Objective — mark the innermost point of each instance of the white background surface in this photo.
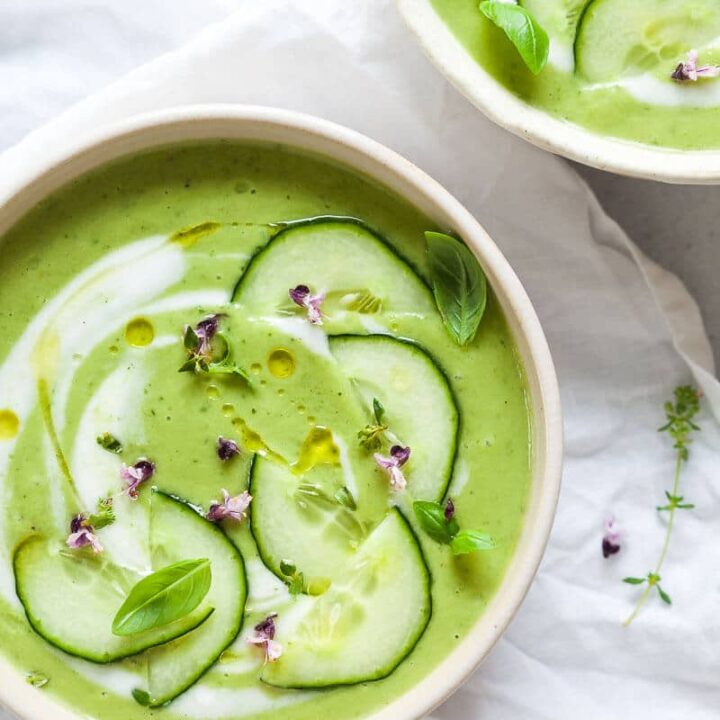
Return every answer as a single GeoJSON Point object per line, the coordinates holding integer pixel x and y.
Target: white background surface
{"type": "Point", "coordinates": [565, 655]}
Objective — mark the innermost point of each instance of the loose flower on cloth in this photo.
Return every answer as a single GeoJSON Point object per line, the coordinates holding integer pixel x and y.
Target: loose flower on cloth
{"type": "Point", "coordinates": [392, 466]}
{"type": "Point", "coordinates": [611, 542]}
{"type": "Point", "coordinates": [227, 449]}
{"type": "Point", "coordinates": [264, 637]}
{"type": "Point", "coordinates": [135, 475]}
{"type": "Point", "coordinates": [691, 71]}
{"type": "Point", "coordinates": [82, 534]}
{"type": "Point", "coordinates": [231, 508]}
{"type": "Point", "coordinates": [302, 297]}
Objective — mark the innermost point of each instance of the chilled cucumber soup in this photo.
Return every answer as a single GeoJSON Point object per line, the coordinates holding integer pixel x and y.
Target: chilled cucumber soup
{"type": "Point", "coordinates": [610, 65]}
{"type": "Point", "coordinates": [97, 287]}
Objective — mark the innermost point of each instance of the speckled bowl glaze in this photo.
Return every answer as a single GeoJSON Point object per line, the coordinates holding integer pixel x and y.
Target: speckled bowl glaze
{"type": "Point", "coordinates": [60, 165]}
{"type": "Point", "coordinates": [544, 130]}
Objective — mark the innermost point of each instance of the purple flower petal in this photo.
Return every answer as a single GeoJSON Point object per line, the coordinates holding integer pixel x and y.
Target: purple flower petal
{"type": "Point", "coordinates": [398, 457]}
{"type": "Point", "coordinates": [302, 297]}
{"type": "Point", "coordinates": [449, 510]}
{"type": "Point", "coordinates": [134, 475]}
{"type": "Point", "coordinates": [82, 534]}
{"type": "Point", "coordinates": [611, 542]}
{"type": "Point", "coordinates": [691, 71]}
{"type": "Point", "coordinates": [231, 508]}
{"type": "Point", "coordinates": [227, 449]}
{"type": "Point", "coordinates": [265, 637]}
{"type": "Point", "coordinates": [400, 454]}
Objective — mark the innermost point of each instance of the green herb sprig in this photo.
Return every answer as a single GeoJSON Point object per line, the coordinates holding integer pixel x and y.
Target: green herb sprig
{"type": "Point", "coordinates": [459, 286]}
{"type": "Point", "coordinates": [680, 426]}
{"type": "Point", "coordinates": [297, 583]}
{"type": "Point", "coordinates": [439, 523]}
{"type": "Point", "coordinates": [221, 363]}
{"type": "Point", "coordinates": [372, 435]}
{"type": "Point", "coordinates": [163, 597]}
{"type": "Point", "coordinates": [523, 31]}
{"type": "Point", "coordinates": [104, 514]}
{"type": "Point", "coordinates": [109, 442]}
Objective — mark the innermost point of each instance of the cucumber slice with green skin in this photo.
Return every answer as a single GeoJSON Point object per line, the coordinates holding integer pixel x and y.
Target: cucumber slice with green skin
{"type": "Point", "coordinates": [177, 532]}
{"type": "Point", "coordinates": [366, 624]}
{"type": "Point", "coordinates": [559, 18]}
{"type": "Point", "coordinates": [420, 408]}
{"type": "Point", "coordinates": [619, 38]}
{"type": "Point", "coordinates": [309, 529]}
{"type": "Point", "coordinates": [71, 597]}
{"type": "Point", "coordinates": [341, 256]}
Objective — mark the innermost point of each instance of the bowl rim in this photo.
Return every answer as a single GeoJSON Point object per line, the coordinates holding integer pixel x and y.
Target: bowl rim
{"type": "Point", "coordinates": [623, 157]}
{"type": "Point", "coordinates": [56, 166]}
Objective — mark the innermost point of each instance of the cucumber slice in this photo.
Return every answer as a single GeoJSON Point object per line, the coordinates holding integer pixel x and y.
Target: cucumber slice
{"type": "Point", "coordinates": [308, 528]}
{"type": "Point", "coordinates": [359, 270]}
{"type": "Point", "coordinates": [420, 408]}
{"type": "Point", "coordinates": [70, 599]}
{"type": "Point", "coordinates": [366, 624]}
{"type": "Point", "coordinates": [618, 38]}
{"type": "Point", "coordinates": [177, 532]}
{"type": "Point", "coordinates": [559, 18]}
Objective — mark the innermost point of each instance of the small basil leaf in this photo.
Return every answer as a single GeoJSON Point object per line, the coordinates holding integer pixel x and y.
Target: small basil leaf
{"type": "Point", "coordinates": [467, 541]}
{"type": "Point", "coordinates": [459, 285]}
{"type": "Point", "coordinates": [431, 517]}
{"type": "Point", "coordinates": [378, 411]}
{"type": "Point", "coordinates": [163, 597]}
{"type": "Point", "coordinates": [523, 30]}
{"type": "Point", "coordinates": [141, 697]}
{"type": "Point", "coordinates": [190, 339]}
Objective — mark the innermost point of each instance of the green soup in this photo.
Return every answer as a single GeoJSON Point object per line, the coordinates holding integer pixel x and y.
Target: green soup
{"type": "Point", "coordinates": [610, 66]}
{"type": "Point", "coordinates": [97, 287]}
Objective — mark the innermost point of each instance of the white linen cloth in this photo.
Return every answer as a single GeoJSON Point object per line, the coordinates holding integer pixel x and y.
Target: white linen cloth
{"type": "Point", "coordinates": [623, 334]}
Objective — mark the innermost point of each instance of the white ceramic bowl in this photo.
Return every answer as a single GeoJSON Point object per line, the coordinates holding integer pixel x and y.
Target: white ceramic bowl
{"type": "Point", "coordinates": [544, 130]}
{"type": "Point", "coordinates": [367, 157]}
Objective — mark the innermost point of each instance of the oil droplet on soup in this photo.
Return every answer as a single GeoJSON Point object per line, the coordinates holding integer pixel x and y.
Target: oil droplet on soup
{"type": "Point", "coordinates": [139, 332]}
{"type": "Point", "coordinates": [281, 363]}
{"type": "Point", "coordinates": [213, 392]}
{"type": "Point", "coordinates": [318, 448]}
{"type": "Point", "coordinates": [228, 409]}
{"type": "Point", "coordinates": [9, 424]}
{"type": "Point", "coordinates": [255, 368]}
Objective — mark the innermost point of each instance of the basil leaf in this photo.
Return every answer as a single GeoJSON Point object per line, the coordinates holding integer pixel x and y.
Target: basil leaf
{"type": "Point", "coordinates": [459, 285]}
{"type": "Point", "coordinates": [467, 541]}
{"type": "Point", "coordinates": [523, 30]}
{"type": "Point", "coordinates": [431, 517]}
{"type": "Point", "coordinates": [163, 597]}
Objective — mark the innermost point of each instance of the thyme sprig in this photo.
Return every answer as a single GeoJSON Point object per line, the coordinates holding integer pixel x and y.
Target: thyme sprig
{"type": "Point", "coordinates": [680, 426]}
{"type": "Point", "coordinates": [372, 435]}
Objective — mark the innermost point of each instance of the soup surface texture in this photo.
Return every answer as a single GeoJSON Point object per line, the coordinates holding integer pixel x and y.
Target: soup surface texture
{"type": "Point", "coordinates": [183, 258]}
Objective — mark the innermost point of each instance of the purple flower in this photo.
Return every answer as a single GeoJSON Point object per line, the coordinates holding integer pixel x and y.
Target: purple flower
{"type": "Point", "coordinates": [611, 538]}
{"type": "Point", "coordinates": [134, 475]}
{"type": "Point", "coordinates": [449, 510]}
{"type": "Point", "coordinates": [265, 637]}
{"type": "Point", "coordinates": [227, 449]}
{"type": "Point", "coordinates": [82, 534]}
{"type": "Point", "coordinates": [232, 508]}
{"type": "Point", "coordinates": [398, 457]}
{"type": "Point", "coordinates": [198, 343]}
{"type": "Point", "coordinates": [302, 296]}
{"type": "Point", "coordinates": [689, 70]}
